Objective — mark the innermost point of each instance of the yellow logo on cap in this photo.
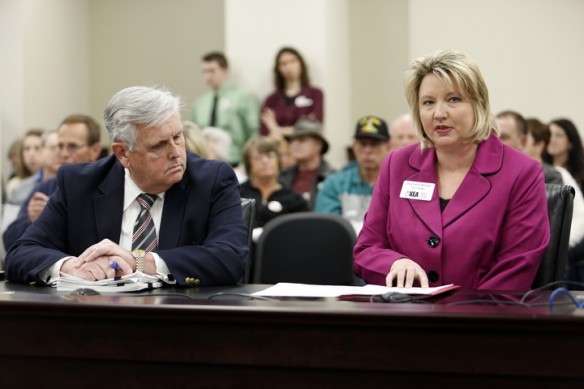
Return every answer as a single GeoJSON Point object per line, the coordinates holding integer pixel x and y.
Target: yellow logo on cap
{"type": "Point", "coordinates": [369, 124]}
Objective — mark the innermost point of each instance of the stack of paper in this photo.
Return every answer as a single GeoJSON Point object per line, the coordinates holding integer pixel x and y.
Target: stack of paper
{"type": "Point", "coordinates": [128, 283]}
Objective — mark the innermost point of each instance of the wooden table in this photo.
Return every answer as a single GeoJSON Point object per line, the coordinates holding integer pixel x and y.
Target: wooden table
{"type": "Point", "coordinates": [180, 338]}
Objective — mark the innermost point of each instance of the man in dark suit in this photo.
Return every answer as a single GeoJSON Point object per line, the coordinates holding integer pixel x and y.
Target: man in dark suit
{"type": "Point", "coordinates": [78, 141]}
{"type": "Point", "coordinates": [87, 227]}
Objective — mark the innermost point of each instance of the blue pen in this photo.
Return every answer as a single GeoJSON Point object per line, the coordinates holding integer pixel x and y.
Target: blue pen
{"type": "Point", "coordinates": [115, 266]}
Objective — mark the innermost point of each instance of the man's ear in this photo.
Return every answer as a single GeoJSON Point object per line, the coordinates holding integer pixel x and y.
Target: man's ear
{"type": "Point", "coordinates": [121, 152]}
{"type": "Point", "coordinates": [523, 140]}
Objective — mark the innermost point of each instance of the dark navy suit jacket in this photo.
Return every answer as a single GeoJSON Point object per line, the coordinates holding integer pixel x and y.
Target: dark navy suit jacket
{"type": "Point", "coordinates": [201, 234]}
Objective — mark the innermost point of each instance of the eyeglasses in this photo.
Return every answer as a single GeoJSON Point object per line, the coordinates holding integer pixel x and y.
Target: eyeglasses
{"type": "Point", "coordinates": [261, 156]}
{"type": "Point", "coordinates": [70, 147]}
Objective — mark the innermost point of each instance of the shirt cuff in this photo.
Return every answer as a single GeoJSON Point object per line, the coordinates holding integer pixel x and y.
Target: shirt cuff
{"type": "Point", "coordinates": [53, 272]}
{"type": "Point", "coordinates": [162, 269]}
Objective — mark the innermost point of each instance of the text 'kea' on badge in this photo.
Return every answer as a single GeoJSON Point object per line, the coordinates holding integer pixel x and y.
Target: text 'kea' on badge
{"type": "Point", "coordinates": [414, 190]}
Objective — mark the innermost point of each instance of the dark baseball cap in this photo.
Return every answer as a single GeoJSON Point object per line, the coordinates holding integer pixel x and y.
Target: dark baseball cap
{"type": "Point", "coordinates": [372, 127]}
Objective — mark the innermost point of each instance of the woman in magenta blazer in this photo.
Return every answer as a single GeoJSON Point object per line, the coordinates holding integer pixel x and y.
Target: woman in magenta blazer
{"type": "Point", "coordinates": [462, 207]}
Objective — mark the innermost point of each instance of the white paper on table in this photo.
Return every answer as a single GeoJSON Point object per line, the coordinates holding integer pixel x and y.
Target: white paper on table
{"type": "Point", "coordinates": [284, 289]}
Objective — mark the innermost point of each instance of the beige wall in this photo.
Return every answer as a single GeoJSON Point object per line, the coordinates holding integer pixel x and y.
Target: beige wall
{"type": "Point", "coordinates": [67, 56]}
{"type": "Point", "coordinates": [379, 56]}
{"type": "Point", "coordinates": [151, 42]}
{"type": "Point", "coordinates": [530, 51]}
{"type": "Point", "coordinates": [44, 70]}
{"type": "Point", "coordinates": [319, 30]}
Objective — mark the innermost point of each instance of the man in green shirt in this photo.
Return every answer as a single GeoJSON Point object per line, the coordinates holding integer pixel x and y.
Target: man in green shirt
{"type": "Point", "coordinates": [224, 106]}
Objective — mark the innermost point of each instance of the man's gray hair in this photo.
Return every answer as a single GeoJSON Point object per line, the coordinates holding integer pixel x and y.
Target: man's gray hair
{"type": "Point", "coordinates": [138, 105]}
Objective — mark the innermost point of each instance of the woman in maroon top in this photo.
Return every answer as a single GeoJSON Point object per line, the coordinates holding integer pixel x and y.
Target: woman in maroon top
{"type": "Point", "coordinates": [293, 98]}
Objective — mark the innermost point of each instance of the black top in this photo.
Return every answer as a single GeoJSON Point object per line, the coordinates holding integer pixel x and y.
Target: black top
{"type": "Point", "coordinates": [280, 202]}
{"type": "Point", "coordinates": [443, 204]}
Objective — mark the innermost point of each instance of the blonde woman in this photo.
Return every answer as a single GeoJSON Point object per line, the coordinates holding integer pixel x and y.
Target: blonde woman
{"type": "Point", "coordinates": [461, 207]}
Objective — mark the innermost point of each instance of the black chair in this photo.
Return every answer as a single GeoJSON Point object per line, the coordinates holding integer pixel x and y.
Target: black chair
{"type": "Point", "coordinates": [306, 247]}
{"type": "Point", "coordinates": [553, 267]}
{"type": "Point", "coordinates": [248, 210]}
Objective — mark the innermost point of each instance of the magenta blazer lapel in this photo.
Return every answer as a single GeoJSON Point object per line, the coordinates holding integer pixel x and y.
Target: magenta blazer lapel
{"type": "Point", "coordinates": [424, 162]}
{"type": "Point", "coordinates": [476, 184]}
{"type": "Point", "coordinates": [472, 190]}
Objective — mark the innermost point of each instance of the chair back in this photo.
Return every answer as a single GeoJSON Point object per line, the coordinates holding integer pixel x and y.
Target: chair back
{"type": "Point", "coordinates": [248, 211]}
{"type": "Point", "coordinates": [560, 201]}
{"type": "Point", "coordinates": [306, 247]}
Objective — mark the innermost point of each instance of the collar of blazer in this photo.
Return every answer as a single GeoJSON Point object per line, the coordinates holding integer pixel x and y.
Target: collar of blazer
{"type": "Point", "coordinates": [473, 189]}
{"type": "Point", "coordinates": [489, 159]}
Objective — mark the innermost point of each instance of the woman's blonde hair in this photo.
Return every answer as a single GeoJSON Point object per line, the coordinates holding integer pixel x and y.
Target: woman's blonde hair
{"type": "Point", "coordinates": [458, 70]}
{"type": "Point", "coordinates": [263, 145]}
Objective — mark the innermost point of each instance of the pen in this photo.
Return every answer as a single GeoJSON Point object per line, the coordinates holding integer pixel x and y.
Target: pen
{"type": "Point", "coordinates": [115, 266]}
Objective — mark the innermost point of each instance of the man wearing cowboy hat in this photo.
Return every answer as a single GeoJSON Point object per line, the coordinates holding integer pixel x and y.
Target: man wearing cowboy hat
{"type": "Point", "coordinates": [307, 146]}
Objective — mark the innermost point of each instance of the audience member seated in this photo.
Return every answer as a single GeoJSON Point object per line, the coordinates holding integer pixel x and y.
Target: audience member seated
{"type": "Point", "coordinates": [14, 156]}
{"type": "Point", "coordinates": [464, 208]}
{"type": "Point", "coordinates": [513, 129]}
{"type": "Point", "coordinates": [348, 192]}
{"type": "Point", "coordinates": [537, 145]}
{"type": "Point", "coordinates": [218, 144]}
{"type": "Point", "coordinates": [31, 155]}
{"type": "Point", "coordinates": [230, 108]}
{"type": "Point", "coordinates": [514, 132]}
{"type": "Point", "coordinates": [261, 157]}
{"type": "Point", "coordinates": [538, 137]}
{"type": "Point", "coordinates": [9, 211]}
{"type": "Point", "coordinates": [194, 140]}
{"type": "Point", "coordinates": [49, 165]}
{"type": "Point", "coordinates": [78, 141]}
{"type": "Point", "coordinates": [307, 146]}
{"type": "Point", "coordinates": [285, 154]}
{"type": "Point", "coordinates": [150, 207]}
{"type": "Point", "coordinates": [293, 98]}
{"type": "Point", "coordinates": [565, 149]}
{"type": "Point", "coordinates": [19, 188]}
{"type": "Point", "coordinates": [402, 132]}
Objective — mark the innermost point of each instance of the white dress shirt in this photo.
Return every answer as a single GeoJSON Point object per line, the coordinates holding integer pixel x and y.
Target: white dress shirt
{"type": "Point", "coordinates": [131, 210]}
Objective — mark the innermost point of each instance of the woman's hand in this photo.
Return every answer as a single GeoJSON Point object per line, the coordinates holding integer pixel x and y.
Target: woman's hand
{"type": "Point", "coordinates": [405, 273]}
{"type": "Point", "coordinates": [268, 117]}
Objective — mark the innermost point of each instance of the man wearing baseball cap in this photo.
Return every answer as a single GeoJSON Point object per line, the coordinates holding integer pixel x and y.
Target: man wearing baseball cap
{"type": "Point", "coordinates": [349, 191]}
{"type": "Point", "coordinates": [307, 147]}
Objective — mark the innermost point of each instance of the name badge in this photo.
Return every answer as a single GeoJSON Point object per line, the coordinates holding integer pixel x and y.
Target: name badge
{"type": "Point", "coordinates": [414, 190]}
{"type": "Point", "coordinates": [303, 101]}
{"type": "Point", "coordinates": [224, 104]}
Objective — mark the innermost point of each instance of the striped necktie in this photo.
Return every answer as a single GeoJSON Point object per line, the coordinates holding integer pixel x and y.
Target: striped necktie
{"type": "Point", "coordinates": [144, 237]}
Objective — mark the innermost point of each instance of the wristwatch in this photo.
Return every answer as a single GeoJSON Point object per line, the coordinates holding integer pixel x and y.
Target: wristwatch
{"type": "Point", "coordinates": [139, 257]}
